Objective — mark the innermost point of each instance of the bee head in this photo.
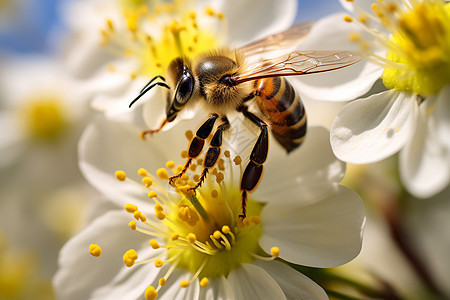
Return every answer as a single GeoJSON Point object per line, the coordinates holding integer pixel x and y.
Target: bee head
{"type": "Point", "coordinates": [182, 84]}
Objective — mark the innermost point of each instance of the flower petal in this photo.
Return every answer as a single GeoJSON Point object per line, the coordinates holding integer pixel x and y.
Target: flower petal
{"type": "Point", "coordinates": [218, 288]}
{"type": "Point", "coordinates": [252, 282]}
{"type": "Point", "coordinates": [442, 116]}
{"type": "Point", "coordinates": [371, 129]}
{"type": "Point", "coordinates": [425, 162]}
{"type": "Point", "coordinates": [108, 146]}
{"type": "Point", "coordinates": [79, 273]}
{"type": "Point", "coordinates": [294, 284]}
{"type": "Point", "coordinates": [269, 18]}
{"type": "Point", "coordinates": [313, 163]}
{"type": "Point", "coordinates": [320, 232]}
{"type": "Point", "coordinates": [331, 33]}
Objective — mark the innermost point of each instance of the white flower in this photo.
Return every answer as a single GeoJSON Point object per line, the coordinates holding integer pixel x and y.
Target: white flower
{"type": "Point", "coordinates": [299, 209]}
{"type": "Point", "coordinates": [408, 44]}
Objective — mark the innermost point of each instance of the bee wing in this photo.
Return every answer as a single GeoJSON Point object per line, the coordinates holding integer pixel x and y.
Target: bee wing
{"type": "Point", "coordinates": [298, 63]}
{"type": "Point", "coordinates": [281, 40]}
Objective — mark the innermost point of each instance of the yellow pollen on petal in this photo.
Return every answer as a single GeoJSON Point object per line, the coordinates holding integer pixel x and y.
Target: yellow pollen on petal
{"type": "Point", "coordinates": [170, 164]}
{"type": "Point", "coordinates": [95, 250]}
{"type": "Point", "coordinates": [191, 238]}
{"type": "Point", "coordinates": [175, 236]}
{"type": "Point", "coordinates": [150, 293]}
{"type": "Point", "coordinates": [204, 282]}
{"type": "Point", "coordinates": [120, 175]}
{"type": "Point", "coordinates": [189, 135]}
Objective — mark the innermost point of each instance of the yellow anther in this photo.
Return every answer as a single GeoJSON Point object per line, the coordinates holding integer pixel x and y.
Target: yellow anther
{"type": "Point", "coordinates": [375, 8]}
{"type": "Point", "coordinates": [179, 169]}
{"type": "Point", "coordinates": [184, 283]}
{"type": "Point", "coordinates": [159, 263]}
{"type": "Point", "coordinates": [132, 23]}
{"type": "Point", "coordinates": [189, 135]}
{"type": "Point", "coordinates": [185, 177]}
{"type": "Point", "coordinates": [175, 236]}
{"type": "Point", "coordinates": [191, 183]}
{"type": "Point", "coordinates": [196, 178]}
{"type": "Point", "coordinates": [192, 15]}
{"type": "Point", "coordinates": [176, 28]}
{"type": "Point", "coordinates": [95, 250]}
{"type": "Point", "coordinates": [200, 161]}
{"type": "Point", "coordinates": [363, 19]}
{"type": "Point", "coordinates": [256, 219]}
{"type": "Point", "coordinates": [349, 0]}
{"type": "Point", "coordinates": [220, 15]}
{"type": "Point", "coordinates": [154, 244]}
{"type": "Point", "coordinates": [354, 37]}
{"type": "Point", "coordinates": [246, 222]}
{"type": "Point", "coordinates": [191, 237]}
{"type": "Point", "coordinates": [120, 175]}
{"type": "Point", "coordinates": [162, 281]}
{"type": "Point", "coordinates": [184, 154]}
{"type": "Point", "coordinates": [227, 154]}
{"type": "Point", "coordinates": [150, 293]}
{"type": "Point", "coordinates": [217, 234]}
{"type": "Point", "coordinates": [130, 257]}
{"type": "Point", "coordinates": [162, 173]}
{"type": "Point", "coordinates": [111, 68]}
{"type": "Point", "coordinates": [226, 229]}
{"type": "Point", "coordinates": [132, 225]}
{"type": "Point", "coordinates": [275, 251]}
{"type": "Point", "coordinates": [214, 171]}
{"type": "Point", "coordinates": [158, 207]}
{"type": "Point", "coordinates": [139, 216]}
{"type": "Point", "coordinates": [160, 215]}
{"type": "Point", "coordinates": [170, 164]}
{"type": "Point", "coordinates": [131, 208]}
{"type": "Point", "coordinates": [220, 177]}
{"type": "Point", "coordinates": [348, 19]}
{"type": "Point", "coordinates": [110, 24]}
{"type": "Point", "coordinates": [209, 11]}
{"type": "Point", "coordinates": [204, 282]}
{"type": "Point", "coordinates": [152, 194]}
{"type": "Point", "coordinates": [147, 181]}
{"type": "Point", "coordinates": [237, 160]}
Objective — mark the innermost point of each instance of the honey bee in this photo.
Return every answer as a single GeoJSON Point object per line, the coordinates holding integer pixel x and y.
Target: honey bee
{"type": "Point", "coordinates": [223, 82]}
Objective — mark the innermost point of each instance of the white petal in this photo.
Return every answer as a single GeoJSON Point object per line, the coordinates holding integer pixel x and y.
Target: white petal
{"type": "Point", "coordinates": [172, 289]}
{"type": "Point", "coordinates": [313, 163]}
{"type": "Point", "coordinates": [364, 4]}
{"type": "Point", "coordinates": [252, 282]}
{"type": "Point", "coordinates": [319, 232]}
{"type": "Point", "coordinates": [331, 33]}
{"type": "Point", "coordinates": [11, 140]}
{"type": "Point", "coordinates": [371, 129]}
{"type": "Point", "coordinates": [268, 18]}
{"type": "Point", "coordinates": [294, 284]}
{"type": "Point", "coordinates": [107, 146]}
{"type": "Point", "coordinates": [79, 273]}
{"type": "Point", "coordinates": [425, 161]}
{"type": "Point", "coordinates": [441, 114]}
{"type": "Point", "coordinates": [218, 288]}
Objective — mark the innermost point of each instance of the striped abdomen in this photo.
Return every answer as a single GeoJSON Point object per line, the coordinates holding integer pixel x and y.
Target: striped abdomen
{"type": "Point", "coordinates": [279, 102]}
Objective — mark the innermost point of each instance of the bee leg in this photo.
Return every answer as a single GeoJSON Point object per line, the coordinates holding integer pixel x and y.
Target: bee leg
{"type": "Point", "coordinates": [253, 171]}
{"type": "Point", "coordinates": [152, 131]}
{"type": "Point", "coordinates": [213, 153]}
{"type": "Point", "coordinates": [196, 144]}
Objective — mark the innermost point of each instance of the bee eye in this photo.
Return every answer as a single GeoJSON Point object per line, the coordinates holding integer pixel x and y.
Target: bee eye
{"type": "Point", "coordinates": [185, 89]}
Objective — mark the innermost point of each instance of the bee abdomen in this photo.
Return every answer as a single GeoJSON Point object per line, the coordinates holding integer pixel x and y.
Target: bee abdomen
{"type": "Point", "coordinates": [279, 102]}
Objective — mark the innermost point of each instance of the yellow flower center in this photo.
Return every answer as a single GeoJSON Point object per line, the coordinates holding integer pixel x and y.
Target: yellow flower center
{"type": "Point", "coordinates": [418, 58]}
{"type": "Point", "coordinates": [155, 35]}
{"type": "Point", "coordinates": [200, 232]}
{"type": "Point", "coordinates": [44, 118]}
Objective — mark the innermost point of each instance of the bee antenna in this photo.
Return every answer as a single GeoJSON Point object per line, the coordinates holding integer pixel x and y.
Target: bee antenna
{"type": "Point", "coordinates": [148, 86]}
{"type": "Point", "coordinates": [146, 89]}
{"type": "Point", "coordinates": [151, 80]}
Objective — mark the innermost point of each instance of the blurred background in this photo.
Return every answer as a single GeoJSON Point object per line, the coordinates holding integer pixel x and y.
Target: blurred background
{"type": "Point", "coordinates": [44, 199]}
